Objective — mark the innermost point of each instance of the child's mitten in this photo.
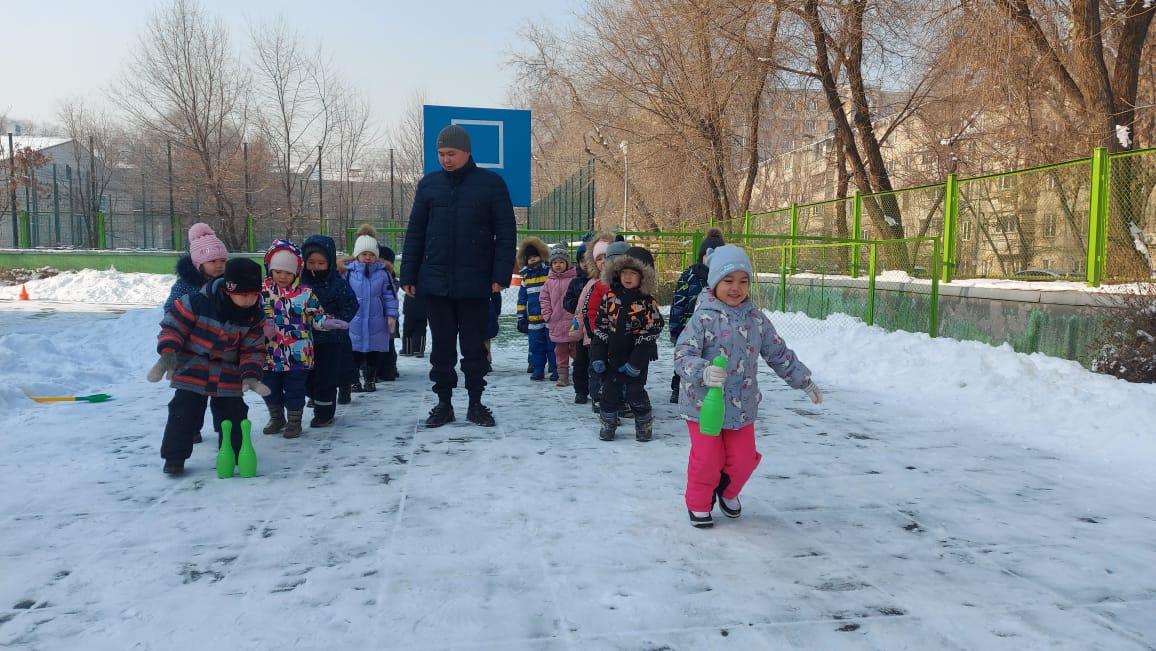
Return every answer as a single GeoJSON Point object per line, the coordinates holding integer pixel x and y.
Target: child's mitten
{"type": "Point", "coordinates": [163, 368]}
{"type": "Point", "coordinates": [331, 324]}
{"type": "Point", "coordinates": [524, 326]}
{"type": "Point", "coordinates": [713, 376]}
{"type": "Point", "coordinates": [598, 366]}
{"type": "Point", "coordinates": [813, 392]}
{"type": "Point", "coordinates": [629, 370]}
{"type": "Point", "coordinates": [255, 385]}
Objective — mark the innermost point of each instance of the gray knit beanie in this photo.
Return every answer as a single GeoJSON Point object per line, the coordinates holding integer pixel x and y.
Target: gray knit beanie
{"type": "Point", "coordinates": [559, 252]}
{"type": "Point", "coordinates": [616, 249]}
{"type": "Point", "coordinates": [724, 260]}
{"type": "Point", "coordinates": [454, 137]}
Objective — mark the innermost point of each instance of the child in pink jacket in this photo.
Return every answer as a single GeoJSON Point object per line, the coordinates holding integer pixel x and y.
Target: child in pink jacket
{"type": "Point", "coordinates": [558, 320]}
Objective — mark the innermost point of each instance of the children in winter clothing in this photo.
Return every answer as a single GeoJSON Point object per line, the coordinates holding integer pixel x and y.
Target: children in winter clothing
{"type": "Point", "coordinates": [413, 327]}
{"type": "Point", "coordinates": [387, 370]}
{"type": "Point", "coordinates": [332, 350]}
{"type": "Point", "coordinates": [580, 369]}
{"type": "Point", "coordinates": [204, 262]}
{"type": "Point", "coordinates": [690, 284]}
{"type": "Point", "coordinates": [727, 322]}
{"type": "Point", "coordinates": [372, 328]}
{"type": "Point", "coordinates": [532, 256]}
{"type": "Point", "coordinates": [558, 320]}
{"type": "Point", "coordinates": [211, 347]}
{"type": "Point", "coordinates": [292, 311]}
{"type": "Point", "coordinates": [626, 340]}
{"type": "Point", "coordinates": [591, 299]}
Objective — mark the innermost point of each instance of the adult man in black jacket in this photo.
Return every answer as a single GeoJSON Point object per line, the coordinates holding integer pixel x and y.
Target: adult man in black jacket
{"type": "Point", "coordinates": [459, 249]}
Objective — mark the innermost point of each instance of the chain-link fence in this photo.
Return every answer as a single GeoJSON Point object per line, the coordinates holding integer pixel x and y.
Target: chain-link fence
{"type": "Point", "coordinates": [1130, 213]}
{"type": "Point", "coordinates": [569, 205]}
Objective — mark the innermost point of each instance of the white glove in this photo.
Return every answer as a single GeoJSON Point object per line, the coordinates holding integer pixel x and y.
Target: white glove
{"type": "Point", "coordinates": [254, 385]}
{"type": "Point", "coordinates": [163, 368]}
{"type": "Point", "coordinates": [814, 393]}
{"type": "Point", "coordinates": [713, 376]}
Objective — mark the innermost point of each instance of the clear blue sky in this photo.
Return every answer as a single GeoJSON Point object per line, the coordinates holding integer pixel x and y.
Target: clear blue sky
{"type": "Point", "coordinates": [453, 50]}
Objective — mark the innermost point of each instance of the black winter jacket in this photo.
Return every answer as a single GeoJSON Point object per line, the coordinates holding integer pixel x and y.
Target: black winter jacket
{"type": "Point", "coordinates": [690, 284]}
{"type": "Point", "coordinates": [461, 235]}
{"type": "Point", "coordinates": [333, 291]}
{"type": "Point", "coordinates": [574, 291]}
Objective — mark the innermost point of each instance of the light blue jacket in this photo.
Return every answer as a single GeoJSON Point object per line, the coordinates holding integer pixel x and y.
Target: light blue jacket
{"type": "Point", "coordinates": [743, 334]}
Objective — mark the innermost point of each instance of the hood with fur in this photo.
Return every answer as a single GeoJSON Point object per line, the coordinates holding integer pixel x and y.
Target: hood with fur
{"type": "Point", "coordinates": [532, 246]}
{"type": "Point", "coordinates": [588, 257]}
{"type": "Point", "coordinates": [615, 265]}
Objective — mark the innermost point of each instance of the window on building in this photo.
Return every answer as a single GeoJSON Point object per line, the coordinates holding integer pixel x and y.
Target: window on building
{"type": "Point", "coordinates": [812, 105]}
{"type": "Point", "coordinates": [965, 231]}
{"type": "Point", "coordinates": [809, 127]}
{"type": "Point", "coordinates": [830, 125]}
{"type": "Point", "coordinates": [1049, 226]}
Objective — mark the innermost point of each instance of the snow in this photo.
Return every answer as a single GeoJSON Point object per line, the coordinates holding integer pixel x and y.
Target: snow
{"type": "Point", "coordinates": [1138, 242]}
{"type": "Point", "coordinates": [1124, 135]}
{"type": "Point", "coordinates": [102, 287]}
{"type": "Point", "coordinates": [946, 495]}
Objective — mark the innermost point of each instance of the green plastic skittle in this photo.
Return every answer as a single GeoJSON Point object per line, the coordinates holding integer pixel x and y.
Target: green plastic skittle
{"type": "Point", "coordinates": [226, 461]}
{"type": "Point", "coordinates": [247, 457]}
{"type": "Point", "coordinates": [710, 416]}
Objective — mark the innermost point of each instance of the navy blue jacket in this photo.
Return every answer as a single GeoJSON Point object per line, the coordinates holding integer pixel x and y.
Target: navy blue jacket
{"type": "Point", "coordinates": [574, 291]}
{"type": "Point", "coordinates": [333, 291]}
{"type": "Point", "coordinates": [461, 234]}
{"type": "Point", "coordinates": [190, 280]}
{"type": "Point", "coordinates": [690, 284]}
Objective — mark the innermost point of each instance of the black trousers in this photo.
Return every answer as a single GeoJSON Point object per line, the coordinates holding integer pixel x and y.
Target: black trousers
{"type": "Point", "coordinates": [580, 370]}
{"type": "Point", "coordinates": [675, 382]}
{"type": "Point", "coordinates": [324, 378]}
{"type": "Point", "coordinates": [415, 321]}
{"type": "Point", "coordinates": [370, 360]}
{"type": "Point", "coordinates": [613, 385]}
{"type": "Point", "coordinates": [187, 412]}
{"type": "Point", "coordinates": [451, 321]}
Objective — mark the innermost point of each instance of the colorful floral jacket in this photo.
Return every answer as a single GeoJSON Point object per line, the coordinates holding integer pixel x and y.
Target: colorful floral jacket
{"type": "Point", "coordinates": [294, 311]}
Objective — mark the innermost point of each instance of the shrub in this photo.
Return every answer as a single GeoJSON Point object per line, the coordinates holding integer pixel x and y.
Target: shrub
{"type": "Point", "coordinates": [1127, 346]}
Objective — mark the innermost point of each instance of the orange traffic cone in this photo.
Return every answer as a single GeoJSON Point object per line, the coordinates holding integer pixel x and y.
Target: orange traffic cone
{"type": "Point", "coordinates": [23, 293]}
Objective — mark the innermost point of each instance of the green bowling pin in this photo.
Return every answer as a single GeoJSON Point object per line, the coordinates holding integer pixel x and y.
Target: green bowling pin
{"type": "Point", "coordinates": [226, 461]}
{"type": "Point", "coordinates": [710, 416]}
{"type": "Point", "coordinates": [247, 457]}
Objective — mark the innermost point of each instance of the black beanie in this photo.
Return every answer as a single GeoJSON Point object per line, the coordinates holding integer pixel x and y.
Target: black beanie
{"type": "Point", "coordinates": [386, 253]}
{"type": "Point", "coordinates": [713, 240]}
{"type": "Point", "coordinates": [642, 255]}
{"type": "Point", "coordinates": [242, 276]}
{"type": "Point", "coordinates": [454, 137]}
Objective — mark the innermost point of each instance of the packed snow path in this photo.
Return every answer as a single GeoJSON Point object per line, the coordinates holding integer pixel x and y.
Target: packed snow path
{"type": "Point", "coordinates": [878, 520]}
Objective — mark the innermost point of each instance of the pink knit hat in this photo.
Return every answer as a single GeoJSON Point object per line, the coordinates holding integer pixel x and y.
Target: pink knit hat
{"type": "Point", "coordinates": [204, 245]}
{"type": "Point", "coordinates": [600, 248]}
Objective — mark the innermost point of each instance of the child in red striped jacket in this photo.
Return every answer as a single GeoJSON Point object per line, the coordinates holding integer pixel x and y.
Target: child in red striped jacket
{"type": "Point", "coordinates": [212, 348]}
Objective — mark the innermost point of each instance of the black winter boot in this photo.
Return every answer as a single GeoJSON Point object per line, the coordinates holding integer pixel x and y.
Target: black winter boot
{"type": "Point", "coordinates": [370, 379]}
{"type": "Point", "coordinates": [480, 414]}
{"type": "Point", "coordinates": [343, 395]}
{"type": "Point", "coordinates": [174, 467]}
{"type": "Point", "coordinates": [581, 398]}
{"type": "Point", "coordinates": [674, 396]}
{"type": "Point", "coordinates": [609, 425]}
{"type": "Point", "coordinates": [644, 428]}
{"type": "Point", "coordinates": [419, 350]}
{"type": "Point", "coordinates": [442, 413]}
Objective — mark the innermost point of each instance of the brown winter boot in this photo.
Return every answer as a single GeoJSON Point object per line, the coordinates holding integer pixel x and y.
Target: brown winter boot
{"type": "Point", "coordinates": [563, 377]}
{"type": "Point", "coordinates": [276, 419]}
{"type": "Point", "coordinates": [293, 424]}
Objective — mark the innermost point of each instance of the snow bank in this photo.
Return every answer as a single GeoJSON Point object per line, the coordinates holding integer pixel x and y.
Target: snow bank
{"type": "Point", "coordinates": [90, 286]}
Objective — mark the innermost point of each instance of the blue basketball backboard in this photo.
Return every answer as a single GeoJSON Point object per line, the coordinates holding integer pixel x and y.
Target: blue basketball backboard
{"type": "Point", "coordinates": [500, 139]}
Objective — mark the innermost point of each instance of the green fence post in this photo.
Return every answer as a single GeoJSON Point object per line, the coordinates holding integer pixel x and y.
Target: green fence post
{"type": "Point", "coordinates": [1097, 216]}
{"type": "Point", "coordinates": [871, 258]}
{"type": "Point", "coordinates": [782, 280]}
{"type": "Point", "coordinates": [101, 232]}
{"type": "Point", "coordinates": [747, 227]}
{"type": "Point", "coordinates": [250, 233]}
{"type": "Point", "coordinates": [794, 234]}
{"type": "Point", "coordinates": [25, 239]}
{"type": "Point", "coordinates": [933, 309]}
{"type": "Point", "coordinates": [856, 230]}
{"type": "Point", "coordinates": [950, 226]}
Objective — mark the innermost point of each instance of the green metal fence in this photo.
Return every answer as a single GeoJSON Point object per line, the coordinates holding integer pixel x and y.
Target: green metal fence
{"type": "Point", "coordinates": [569, 205]}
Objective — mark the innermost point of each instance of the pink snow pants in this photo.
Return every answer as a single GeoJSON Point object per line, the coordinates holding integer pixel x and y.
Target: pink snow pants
{"type": "Point", "coordinates": [732, 451]}
{"type": "Point", "coordinates": [564, 352]}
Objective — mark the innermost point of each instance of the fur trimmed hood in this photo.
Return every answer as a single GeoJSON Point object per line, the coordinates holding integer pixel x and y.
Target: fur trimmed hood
{"type": "Point", "coordinates": [588, 257]}
{"type": "Point", "coordinates": [612, 268]}
{"type": "Point", "coordinates": [532, 246]}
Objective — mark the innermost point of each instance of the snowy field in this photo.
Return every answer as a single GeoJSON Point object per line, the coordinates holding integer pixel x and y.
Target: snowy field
{"type": "Point", "coordinates": [946, 495]}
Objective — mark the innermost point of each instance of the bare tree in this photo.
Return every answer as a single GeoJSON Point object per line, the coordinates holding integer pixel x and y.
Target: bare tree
{"type": "Point", "coordinates": [353, 136]}
{"type": "Point", "coordinates": [99, 149]}
{"type": "Point", "coordinates": [406, 140]}
{"type": "Point", "coordinates": [185, 84]}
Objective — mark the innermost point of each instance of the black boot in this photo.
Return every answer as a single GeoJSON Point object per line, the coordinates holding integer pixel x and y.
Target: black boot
{"type": "Point", "coordinates": [725, 481]}
{"type": "Point", "coordinates": [609, 422]}
{"type": "Point", "coordinates": [442, 413]}
{"type": "Point", "coordinates": [674, 396]}
{"type": "Point", "coordinates": [406, 349]}
{"type": "Point", "coordinates": [419, 351]}
{"type": "Point", "coordinates": [644, 428]}
{"type": "Point", "coordinates": [581, 398]}
{"type": "Point", "coordinates": [480, 414]}
{"type": "Point", "coordinates": [370, 379]}
{"type": "Point", "coordinates": [700, 521]}
{"type": "Point", "coordinates": [343, 395]}
{"type": "Point", "coordinates": [174, 467]}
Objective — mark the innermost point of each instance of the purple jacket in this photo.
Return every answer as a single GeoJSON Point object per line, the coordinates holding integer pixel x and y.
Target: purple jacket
{"type": "Point", "coordinates": [376, 300]}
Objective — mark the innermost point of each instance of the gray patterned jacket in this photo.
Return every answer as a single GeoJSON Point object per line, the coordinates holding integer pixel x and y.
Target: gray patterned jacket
{"type": "Point", "coordinates": [743, 334]}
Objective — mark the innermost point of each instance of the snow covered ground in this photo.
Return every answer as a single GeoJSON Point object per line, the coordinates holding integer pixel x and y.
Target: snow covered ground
{"type": "Point", "coordinates": [946, 495]}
